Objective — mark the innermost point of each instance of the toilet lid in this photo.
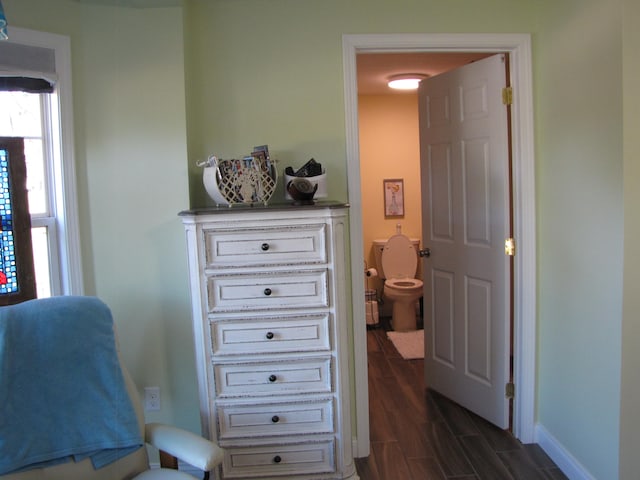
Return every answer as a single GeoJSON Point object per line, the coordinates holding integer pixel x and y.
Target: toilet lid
{"type": "Point", "coordinates": [399, 258]}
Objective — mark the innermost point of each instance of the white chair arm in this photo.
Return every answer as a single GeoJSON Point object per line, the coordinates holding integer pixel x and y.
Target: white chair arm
{"type": "Point", "coordinates": [186, 446]}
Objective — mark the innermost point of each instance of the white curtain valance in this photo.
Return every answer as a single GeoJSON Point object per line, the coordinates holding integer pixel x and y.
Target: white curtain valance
{"type": "Point", "coordinates": [27, 68]}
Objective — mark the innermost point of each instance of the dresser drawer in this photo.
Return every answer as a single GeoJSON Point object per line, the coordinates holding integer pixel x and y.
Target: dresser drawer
{"type": "Point", "coordinates": [260, 420]}
{"type": "Point", "coordinates": [267, 461]}
{"type": "Point", "coordinates": [270, 335]}
{"type": "Point", "coordinates": [265, 246]}
{"type": "Point", "coordinates": [268, 291]}
{"type": "Point", "coordinates": [273, 378]}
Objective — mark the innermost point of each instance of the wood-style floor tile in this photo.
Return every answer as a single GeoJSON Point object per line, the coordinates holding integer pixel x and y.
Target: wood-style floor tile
{"type": "Point", "coordinates": [426, 468]}
{"type": "Point", "coordinates": [496, 436]}
{"type": "Point", "coordinates": [521, 465]}
{"type": "Point", "coordinates": [367, 467]}
{"type": "Point", "coordinates": [380, 428]}
{"type": "Point", "coordinates": [412, 437]}
{"type": "Point", "coordinates": [390, 460]}
{"type": "Point", "coordinates": [458, 419]}
{"type": "Point", "coordinates": [484, 460]}
{"type": "Point", "coordinates": [418, 434]}
{"type": "Point", "coordinates": [539, 457]}
{"type": "Point", "coordinates": [555, 474]}
{"type": "Point", "coordinates": [449, 453]}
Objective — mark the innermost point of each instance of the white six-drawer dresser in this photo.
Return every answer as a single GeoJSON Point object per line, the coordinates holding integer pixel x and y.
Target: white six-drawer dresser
{"type": "Point", "coordinates": [271, 338]}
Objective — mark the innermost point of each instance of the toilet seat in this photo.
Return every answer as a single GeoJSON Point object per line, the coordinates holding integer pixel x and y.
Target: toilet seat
{"type": "Point", "coordinates": [399, 258]}
{"type": "Point", "coordinates": [403, 283]}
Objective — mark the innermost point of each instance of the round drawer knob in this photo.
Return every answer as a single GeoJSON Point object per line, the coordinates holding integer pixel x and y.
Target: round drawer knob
{"type": "Point", "coordinates": [264, 247]}
{"type": "Point", "coordinates": [267, 291]}
{"type": "Point", "coordinates": [277, 459]}
{"type": "Point", "coordinates": [272, 378]}
{"type": "Point", "coordinates": [269, 335]}
{"type": "Point", "coordinates": [275, 419]}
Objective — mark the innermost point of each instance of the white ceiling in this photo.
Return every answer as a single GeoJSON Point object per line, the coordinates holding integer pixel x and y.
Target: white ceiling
{"type": "Point", "coordinates": [374, 69]}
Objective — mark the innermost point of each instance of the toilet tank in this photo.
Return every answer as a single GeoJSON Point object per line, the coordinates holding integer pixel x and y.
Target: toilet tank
{"type": "Point", "coordinates": [378, 246]}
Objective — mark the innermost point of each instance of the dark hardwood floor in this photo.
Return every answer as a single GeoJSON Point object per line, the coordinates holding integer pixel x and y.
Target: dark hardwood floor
{"type": "Point", "coordinates": [417, 434]}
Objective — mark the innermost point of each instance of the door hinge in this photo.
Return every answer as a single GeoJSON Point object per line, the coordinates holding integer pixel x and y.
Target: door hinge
{"type": "Point", "coordinates": [507, 96]}
{"type": "Point", "coordinates": [510, 390]}
{"type": "Point", "coordinates": [510, 247]}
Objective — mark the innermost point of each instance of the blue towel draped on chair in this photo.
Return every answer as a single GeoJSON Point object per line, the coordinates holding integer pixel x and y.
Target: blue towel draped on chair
{"type": "Point", "coordinates": [62, 393]}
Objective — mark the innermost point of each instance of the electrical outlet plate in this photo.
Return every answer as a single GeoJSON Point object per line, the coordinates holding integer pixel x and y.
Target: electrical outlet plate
{"type": "Point", "coordinates": [152, 399]}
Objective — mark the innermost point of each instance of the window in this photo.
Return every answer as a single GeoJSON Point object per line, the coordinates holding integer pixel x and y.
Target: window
{"type": "Point", "coordinates": [44, 121]}
{"type": "Point", "coordinates": [17, 281]}
{"type": "Point", "coordinates": [21, 115]}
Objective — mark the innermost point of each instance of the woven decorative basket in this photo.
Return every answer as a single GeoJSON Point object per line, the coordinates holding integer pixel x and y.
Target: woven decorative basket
{"type": "Point", "coordinates": [246, 181]}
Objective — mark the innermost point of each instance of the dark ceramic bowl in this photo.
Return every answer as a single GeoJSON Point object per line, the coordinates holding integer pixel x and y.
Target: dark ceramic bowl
{"type": "Point", "coordinates": [301, 190]}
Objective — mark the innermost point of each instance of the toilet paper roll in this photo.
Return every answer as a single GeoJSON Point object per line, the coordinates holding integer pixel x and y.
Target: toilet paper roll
{"type": "Point", "coordinates": [371, 272]}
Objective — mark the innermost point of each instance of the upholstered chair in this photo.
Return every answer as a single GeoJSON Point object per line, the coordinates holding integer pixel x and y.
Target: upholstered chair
{"type": "Point", "coordinates": [49, 347]}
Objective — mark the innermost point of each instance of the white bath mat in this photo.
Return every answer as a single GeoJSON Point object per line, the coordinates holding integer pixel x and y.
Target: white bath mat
{"type": "Point", "coordinates": [409, 344]}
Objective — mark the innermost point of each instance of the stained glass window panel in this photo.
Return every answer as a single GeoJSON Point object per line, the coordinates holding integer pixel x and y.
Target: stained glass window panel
{"type": "Point", "coordinates": [17, 278]}
{"type": "Point", "coordinates": [8, 269]}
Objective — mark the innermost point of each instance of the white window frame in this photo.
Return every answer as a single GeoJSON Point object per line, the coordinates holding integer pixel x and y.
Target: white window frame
{"type": "Point", "coordinates": [63, 225]}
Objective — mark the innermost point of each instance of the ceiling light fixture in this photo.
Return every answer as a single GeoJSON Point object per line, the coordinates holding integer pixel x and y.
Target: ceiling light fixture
{"type": "Point", "coordinates": [406, 81]}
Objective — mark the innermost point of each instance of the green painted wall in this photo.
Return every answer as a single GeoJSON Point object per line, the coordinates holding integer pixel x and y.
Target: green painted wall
{"type": "Point", "coordinates": [134, 143]}
{"type": "Point", "coordinates": [271, 71]}
{"type": "Point", "coordinates": [155, 90]}
{"type": "Point", "coordinates": [630, 383]}
{"type": "Point", "coordinates": [579, 200]}
{"type": "Point", "coordinates": [130, 139]}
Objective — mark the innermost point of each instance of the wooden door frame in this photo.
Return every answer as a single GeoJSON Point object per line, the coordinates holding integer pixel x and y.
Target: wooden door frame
{"type": "Point", "coordinates": [524, 277]}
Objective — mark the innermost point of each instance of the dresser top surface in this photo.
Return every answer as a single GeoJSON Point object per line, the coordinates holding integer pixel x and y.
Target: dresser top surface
{"type": "Point", "coordinates": [258, 207]}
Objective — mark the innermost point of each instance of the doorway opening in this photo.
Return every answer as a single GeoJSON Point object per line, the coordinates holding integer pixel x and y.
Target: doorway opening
{"type": "Point", "coordinates": [389, 144]}
{"type": "Point", "coordinates": [518, 47]}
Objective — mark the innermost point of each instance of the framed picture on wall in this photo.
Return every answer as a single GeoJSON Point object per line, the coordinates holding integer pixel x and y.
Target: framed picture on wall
{"type": "Point", "coordinates": [393, 197]}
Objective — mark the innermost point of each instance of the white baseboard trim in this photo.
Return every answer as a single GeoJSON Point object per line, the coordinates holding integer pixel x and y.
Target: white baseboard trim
{"type": "Point", "coordinates": [569, 465]}
{"type": "Point", "coordinates": [355, 450]}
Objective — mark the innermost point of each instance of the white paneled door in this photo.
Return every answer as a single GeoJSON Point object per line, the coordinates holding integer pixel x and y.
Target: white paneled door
{"type": "Point", "coordinates": [464, 147]}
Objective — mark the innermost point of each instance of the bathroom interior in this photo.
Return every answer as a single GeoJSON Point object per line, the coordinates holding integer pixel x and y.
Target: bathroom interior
{"type": "Point", "coordinates": [390, 150]}
{"type": "Point", "coordinates": [389, 144]}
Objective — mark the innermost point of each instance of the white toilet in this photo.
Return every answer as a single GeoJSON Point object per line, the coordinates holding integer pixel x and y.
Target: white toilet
{"type": "Point", "coordinates": [398, 262]}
